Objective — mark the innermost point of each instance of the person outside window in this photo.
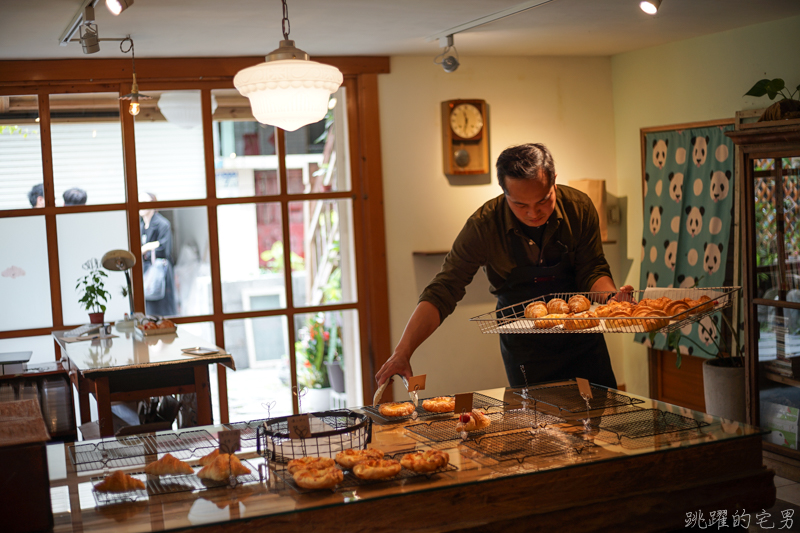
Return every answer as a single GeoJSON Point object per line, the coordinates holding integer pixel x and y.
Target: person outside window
{"type": "Point", "coordinates": [156, 233]}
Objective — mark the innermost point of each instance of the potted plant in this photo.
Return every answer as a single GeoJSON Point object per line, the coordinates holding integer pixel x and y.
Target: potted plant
{"type": "Point", "coordinates": [319, 346]}
{"type": "Point", "coordinates": [92, 290]}
{"type": "Point", "coordinates": [786, 108]}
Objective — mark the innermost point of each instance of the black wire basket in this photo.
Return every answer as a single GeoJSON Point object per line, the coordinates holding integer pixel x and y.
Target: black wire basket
{"type": "Point", "coordinates": [331, 432]}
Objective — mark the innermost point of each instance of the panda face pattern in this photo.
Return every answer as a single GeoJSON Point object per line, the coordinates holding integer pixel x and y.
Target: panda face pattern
{"type": "Point", "coordinates": [720, 184]}
{"type": "Point", "coordinates": [652, 280]}
{"type": "Point", "coordinates": [699, 150]}
{"type": "Point", "coordinates": [670, 254]}
{"type": "Point", "coordinates": [660, 152]}
{"type": "Point", "coordinates": [712, 257]}
{"type": "Point", "coordinates": [707, 329]}
{"type": "Point", "coordinates": [655, 218]}
{"type": "Point", "coordinates": [676, 186]}
{"type": "Point", "coordinates": [694, 220]}
{"type": "Point", "coordinates": [686, 282]}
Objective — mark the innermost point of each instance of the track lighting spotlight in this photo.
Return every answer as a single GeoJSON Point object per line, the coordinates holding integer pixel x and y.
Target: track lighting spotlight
{"type": "Point", "coordinates": [449, 62]}
{"type": "Point", "coordinates": [90, 40]}
{"type": "Point", "coordinates": [118, 6]}
{"type": "Point", "coordinates": [650, 6]}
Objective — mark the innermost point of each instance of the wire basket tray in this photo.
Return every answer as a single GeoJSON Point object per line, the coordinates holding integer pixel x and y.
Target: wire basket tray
{"type": "Point", "coordinates": [130, 451]}
{"type": "Point", "coordinates": [531, 443]}
{"type": "Point", "coordinates": [512, 319]}
{"type": "Point", "coordinates": [331, 432]}
{"type": "Point", "coordinates": [636, 429]}
{"type": "Point", "coordinates": [445, 430]}
{"type": "Point", "coordinates": [479, 401]}
{"type": "Point", "coordinates": [352, 481]}
{"type": "Point", "coordinates": [568, 398]}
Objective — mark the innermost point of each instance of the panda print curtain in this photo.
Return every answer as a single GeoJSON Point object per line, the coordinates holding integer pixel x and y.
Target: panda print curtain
{"type": "Point", "coordinates": [688, 206]}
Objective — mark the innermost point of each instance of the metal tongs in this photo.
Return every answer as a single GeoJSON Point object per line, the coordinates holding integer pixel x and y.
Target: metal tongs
{"type": "Point", "coordinates": [376, 399]}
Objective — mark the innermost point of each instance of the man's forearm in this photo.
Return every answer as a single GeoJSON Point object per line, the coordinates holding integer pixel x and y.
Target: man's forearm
{"type": "Point", "coordinates": [423, 322]}
{"type": "Point", "coordinates": [604, 283]}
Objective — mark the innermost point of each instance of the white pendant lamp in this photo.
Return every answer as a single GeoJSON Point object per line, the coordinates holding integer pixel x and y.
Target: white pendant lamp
{"type": "Point", "coordinates": [183, 109]}
{"type": "Point", "coordinates": [288, 90]}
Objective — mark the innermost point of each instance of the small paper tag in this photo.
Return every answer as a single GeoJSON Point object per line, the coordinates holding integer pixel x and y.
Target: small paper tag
{"type": "Point", "coordinates": [416, 383]}
{"type": "Point", "coordinates": [584, 388]}
{"type": "Point", "coordinates": [463, 403]}
{"type": "Point", "coordinates": [229, 441]}
{"type": "Point", "coordinates": [299, 428]}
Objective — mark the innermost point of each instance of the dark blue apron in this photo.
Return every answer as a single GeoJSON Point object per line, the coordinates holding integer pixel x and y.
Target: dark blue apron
{"type": "Point", "coordinates": [549, 356]}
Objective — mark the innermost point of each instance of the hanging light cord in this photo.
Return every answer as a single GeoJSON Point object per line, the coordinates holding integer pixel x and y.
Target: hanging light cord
{"type": "Point", "coordinates": [285, 27]}
{"type": "Point", "coordinates": [130, 49]}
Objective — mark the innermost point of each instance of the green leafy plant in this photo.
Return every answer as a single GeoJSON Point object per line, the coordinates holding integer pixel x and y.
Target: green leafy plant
{"type": "Point", "coordinates": [319, 341]}
{"type": "Point", "coordinates": [92, 287]}
{"type": "Point", "coordinates": [274, 259]}
{"type": "Point", "coordinates": [772, 88]}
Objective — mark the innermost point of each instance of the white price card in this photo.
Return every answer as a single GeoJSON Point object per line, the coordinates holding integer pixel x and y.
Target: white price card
{"type": "Point", "coordinates": [299, 427]}
{"type": "Point", "coordinates": [229, 441]}
{"type": "Point", "coordinates": [584, 388]}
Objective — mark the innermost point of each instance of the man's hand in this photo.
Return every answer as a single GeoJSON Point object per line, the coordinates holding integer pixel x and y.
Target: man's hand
{"type": "Point", "coordinates": [625, 294]}
{"type": "Point", "coordinates": [398, 363]}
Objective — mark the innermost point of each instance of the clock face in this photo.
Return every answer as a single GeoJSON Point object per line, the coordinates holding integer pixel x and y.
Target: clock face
{"type": "Point", "coordinates": [466, 121]}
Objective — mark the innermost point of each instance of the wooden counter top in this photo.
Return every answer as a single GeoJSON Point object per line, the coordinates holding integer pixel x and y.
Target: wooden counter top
{"type": "Point", "coordinates": [639, 486]}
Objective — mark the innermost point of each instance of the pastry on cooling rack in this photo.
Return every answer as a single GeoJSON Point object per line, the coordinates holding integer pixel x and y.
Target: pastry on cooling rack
{"type": "Point", "coordinates": [396, 409]}
{"type": "Point", "coordinates": [550, 321]}
{"type": "Point", "coordinates": [650, 319]}
{"type": "Point", "coordinates": [224, 466]}
{"type": "Point", "coordinates": [536, 310]}
{"type": "Point", "coordinates": [557, 306]}
{"type": "Point", "coordinates": [619, 324]}
{"type": "Point", "coordinates": [349, 458]}
{"type": "Point", "coordinates": [426, 461]}
{"type": "Point", "coordinates": [168, 466]}
{"type": "Point", "coordinates": [578, 304]}
{"type": "Point", "coordinates": [676, 308]}
{"type": "Point", "coordinates": [585, 320]}
{"type": "Point", "coordinates": [377, 469]}
{"type": "Point", "coordinates": [315, 463]}
{"type": "Point", "coordinates": [440, 404]}
{"type": "Point", "coordinates": [119, 481]}
{"type": "Point", "coordinates": [473, 421]}
{"type": "Point", "coordinates": [610, 307]}
{"type": "Point", "coordinates": [208, 459]}
{"type": "Point", "coordinates": [318, 478]}
{"type": "Point", "coordinates": [707, 304]}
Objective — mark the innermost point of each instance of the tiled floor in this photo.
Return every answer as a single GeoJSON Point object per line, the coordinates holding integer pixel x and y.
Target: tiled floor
{"type": "Point", "coordinates": [786, 509]}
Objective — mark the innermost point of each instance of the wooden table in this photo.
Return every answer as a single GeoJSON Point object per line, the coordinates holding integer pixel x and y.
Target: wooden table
{"type": "Point", "coordinates": [132, 367]}
{"type": "Point", "coordinates": [609, 487]}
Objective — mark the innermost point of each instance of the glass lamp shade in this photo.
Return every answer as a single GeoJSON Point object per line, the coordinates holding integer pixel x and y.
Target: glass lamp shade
{"type": "Point", "coordinates": [288, 93]}
{"type": "Point", "coordinates": [182, 108]}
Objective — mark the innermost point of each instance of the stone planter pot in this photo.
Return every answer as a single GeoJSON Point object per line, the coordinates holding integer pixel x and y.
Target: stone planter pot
{"type": "Point", "coordinates": [724, 388]}
{"type": "Point", "coordinates": [316, 400]}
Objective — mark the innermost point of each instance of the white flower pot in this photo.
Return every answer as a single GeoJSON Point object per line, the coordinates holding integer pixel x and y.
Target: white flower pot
{"type": "Point", "coordinates": [724, 390]}
{"type": "Point", "coordinates": [316, 400]}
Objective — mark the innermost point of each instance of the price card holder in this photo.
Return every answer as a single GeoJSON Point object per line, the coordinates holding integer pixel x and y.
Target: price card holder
{"type": "Point", "coordinates": [416, 383]}
{"type": "Point", "coordinates": [299, 427]}
{"type": "Point", "coordinates": [229, 441]}
{"type": "Point", "coordinates": [584, 388]}
{"type": "Point", "coordinates": [463, 403]}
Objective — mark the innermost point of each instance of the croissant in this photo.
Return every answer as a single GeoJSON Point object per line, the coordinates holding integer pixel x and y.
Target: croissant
{"type": "Point", "coordinates": [208, 459]}
{"type": "Point", "coordinates": [652, 324]}
{"type": "Point", "coordinates": [168, 465]}
{"type": "Point", "coordinates": [708, 305]}
{"type": "Point", "coordinates": [119, 481]}
{"type": "Point", "coordinates": [676, 308]}
{"type": "Point", "coordinates": [582, 324]}
{"type": "Point", "coordinates": [550, 321]}
{"type": "Point", "coordinates": [224, 466]}
{"type": "Point", "coordinates": [536, 310]}
{"type": "Point", "coordinates": [557, 306]}
{"type": "Point", "coordinates": [579, 303]}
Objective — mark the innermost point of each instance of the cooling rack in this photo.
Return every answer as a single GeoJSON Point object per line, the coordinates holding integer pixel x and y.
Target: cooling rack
{"type": "Point", "coordinates": [521, 445]}
{"type": "Point", "coordinates": [643, 428]}
{"type": "Point", "coordinates": [479, 401]}
{"type": "Point", "coordinates": [568, 398]}
{"type": "Point", "coordinates": [445, 430]}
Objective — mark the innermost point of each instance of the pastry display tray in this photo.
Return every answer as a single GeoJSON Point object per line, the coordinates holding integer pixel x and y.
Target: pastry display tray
{"type": "Point", "coordinates": [479, 401]}
{"type": "Point", "coordinates": [540, 442]}
{"type": "Point", "coordinates": [568, 398]}
{"type": "Point", "coordinates": [445, 430]}
{"type": "Point", "coordinates": [512, 319]}
{"type": "Point", "coordinates": [643, 428]}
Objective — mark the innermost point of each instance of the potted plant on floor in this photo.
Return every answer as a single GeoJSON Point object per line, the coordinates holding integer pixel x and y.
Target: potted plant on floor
{"type": "Point", "coordinates": [318, 346]}
{"type": "Point", "coordinates": [92, 290]}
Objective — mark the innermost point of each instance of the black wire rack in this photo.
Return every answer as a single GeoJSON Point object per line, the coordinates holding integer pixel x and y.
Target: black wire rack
{"type": "Point", "coordinates": [331, 432]}
{"type": "Point", "coordinates": [248, 431]}
{"type": "Point", "coordinates": [479, 401]}
{"type": "Point", "coordinates": [351, 481]}
{"type": "Point", "coordinates": [445, 430]}
{"type": "Point", "coordinates": [542, 442]}
{"type": "Point", "coordinates": [568, 398]}
{"type": "Point", "coordinates": [644, 428]}
{"type": "Point", "coordinates": [131, 451]}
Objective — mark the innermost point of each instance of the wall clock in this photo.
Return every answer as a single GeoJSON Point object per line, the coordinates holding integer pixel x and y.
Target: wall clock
{"type": "Point", "coordinates": [465, 137]}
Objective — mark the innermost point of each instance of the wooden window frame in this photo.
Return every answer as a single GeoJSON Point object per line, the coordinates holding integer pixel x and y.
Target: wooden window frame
{"type": "Point", "coordinates": [46, 77]}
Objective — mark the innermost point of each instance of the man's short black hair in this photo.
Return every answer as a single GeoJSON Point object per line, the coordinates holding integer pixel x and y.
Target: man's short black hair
{"type": "Point", "coordinates": [74, 196]}
{"type": "Point", "coordinates": [526, 161]}
{"type": "Point", "coordinates": [35, 192]}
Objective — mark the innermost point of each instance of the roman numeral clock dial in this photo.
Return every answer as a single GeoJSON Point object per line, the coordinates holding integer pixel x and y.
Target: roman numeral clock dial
{"type": "Point", "coordinates": [465, 140]}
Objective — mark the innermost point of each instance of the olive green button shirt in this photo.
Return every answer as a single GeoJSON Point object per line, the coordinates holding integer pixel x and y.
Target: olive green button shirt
{"type": "Point", "coordinates": [485, 242]}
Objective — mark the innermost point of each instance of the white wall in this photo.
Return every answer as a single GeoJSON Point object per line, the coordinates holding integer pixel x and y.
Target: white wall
{"type": "Point", "coordinates": [688, 81]}
{"type": "Point", "coordinates": [565, 103]}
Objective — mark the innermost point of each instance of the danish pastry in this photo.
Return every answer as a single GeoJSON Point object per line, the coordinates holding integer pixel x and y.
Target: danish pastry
{"type": "Point", "coordinates": [351, 457]}
{"type": "Point", "coordinates": [588, 319]}
{"type": "Point", "coordinates": [657, 319]}
{"type": "Point", "coordinates": [536, 310]}
{"type": "Point", "coordinates": [396, 409]}
{"type": "Point", "coordinates": [550, 321]}
{"type": "Point", "coordinates": [119, 481]}
{"type": "Point", "coordinates": [426, 461]}
{"type": "Point", "coordinates": [676, 308]}
{"type": "Point", "coordinates": [707, 304]}
{"type": "Point", "coordinates": [224, 466]}
{"type": "Point", "coordinates": [619, 324]}
{"type": "Point", "coordinates": [578, 304]}
{"type": "Point", "coordinates": [323, 478]}
{"type": "Point", "coordinates": [168, 466]}
{"type": "Point", "coordinates": [377, 469]}
{"type": "Point", "coordinates": [315, 463]}
{"type": "Point", "coordinates": [477, 421]}
{"type": "Point", "coordinates": [557, 306]}
{"type": "Point", "coordinates": [440, 404]}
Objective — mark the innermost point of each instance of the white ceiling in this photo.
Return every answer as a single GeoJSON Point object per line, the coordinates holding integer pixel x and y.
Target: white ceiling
{"type": "Point", "coordinates": [30, 29]}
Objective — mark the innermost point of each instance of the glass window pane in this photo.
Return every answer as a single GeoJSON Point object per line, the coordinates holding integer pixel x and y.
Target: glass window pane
{"type": "Point", "coordinates": [322, 236]}
{"type": "Point", "coordinates": [20, 152]}
{"type": "Point", "coordinates": [87, 148]}
{"type": "Point", "coordinates": [169, 146]}
{"type": "Point", "coordinates": [85, 236]}
{"type": "Point", "coordinates": [181, 257]}
{"type": "Point", "coordinates": [261, 385]}
{"type": "Point", "coordinates": [316, 158]}
{"type": "Point", "coordinates": [244, 150]}
{"type": "Point", "coordinates": [328, 365]}
{"type": "Point", "coordinates": [251, 257]}
{"type": "Point", "coordinates": [24, 274]}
